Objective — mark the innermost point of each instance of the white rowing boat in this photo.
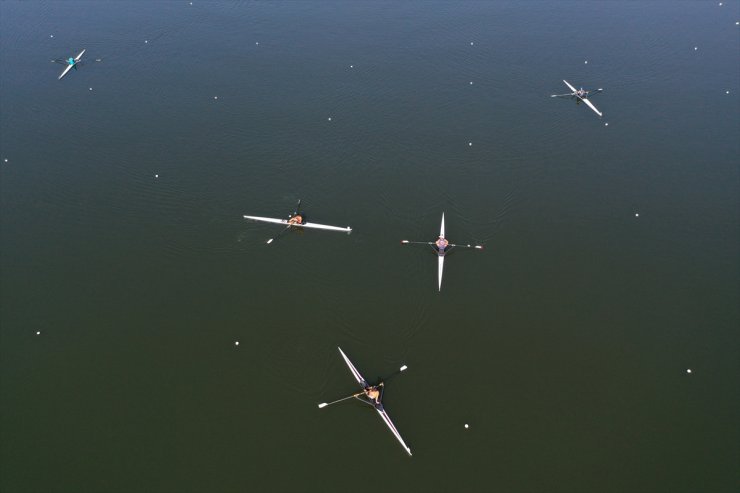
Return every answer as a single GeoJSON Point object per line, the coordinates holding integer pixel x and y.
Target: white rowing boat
{"type": "Point", "coordinates": [441, 252]}
{"type": "Point", "coordinates": [285, 222]}
{"type": "Point", "coordinates": [582, 98]}
{"type": "Point", "coordinates": [71, 62]}
{"type": "Point", "coordinates": [378, 407]}
{"type": "Point", "coordinates": [441, 256]}
{"type": "Point", "coordinates": [580, 95]}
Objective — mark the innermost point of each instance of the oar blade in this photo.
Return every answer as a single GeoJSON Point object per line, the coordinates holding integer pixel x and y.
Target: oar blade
{"type": "Point", "coordinates": [403, 368]}
{"type": "Point", "coordinates": [323, 405]}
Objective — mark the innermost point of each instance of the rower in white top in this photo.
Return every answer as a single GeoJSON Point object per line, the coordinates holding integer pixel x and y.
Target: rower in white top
{"type": "Point", "coordinates": [441, 247]}
{"type": "Point", "coordinates": [580, 95]}
{"type": "Point", "coordinates": [295, 220]}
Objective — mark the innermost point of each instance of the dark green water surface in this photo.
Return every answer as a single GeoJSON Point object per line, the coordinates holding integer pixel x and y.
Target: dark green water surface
{"type": "Point", "coordinates": [611, 262]}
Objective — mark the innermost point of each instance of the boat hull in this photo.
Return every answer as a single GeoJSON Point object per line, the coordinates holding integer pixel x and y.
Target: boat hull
{"type": "Point", "coordinates": [307, 225]}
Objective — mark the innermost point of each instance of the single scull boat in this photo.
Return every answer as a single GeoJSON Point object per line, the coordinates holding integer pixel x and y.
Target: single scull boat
{"type": "Point", "coordinates": [71, 63]}
{"type": "Point", "coordinates": [284, 222]}
{"type": "Point", "coordinates": [377, 405]}
{"type": "Point", "coordinates": [441, 248]}
{"type": "Point", "coordinates": [296, 220]}
{"type": "Point", "coordinates": [580, 95]}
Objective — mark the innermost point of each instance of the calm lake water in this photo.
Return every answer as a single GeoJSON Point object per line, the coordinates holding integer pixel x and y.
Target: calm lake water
{"type": "Point", "coordinates": [591, 347]}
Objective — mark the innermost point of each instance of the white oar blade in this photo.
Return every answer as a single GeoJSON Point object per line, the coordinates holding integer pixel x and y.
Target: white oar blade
{"type": "Point", "coordinates": [323, 405]}
{"type": "Point", "coordinates": [403, 368]}
{"type": "Point", "coordinates": [479, 247]}
{"type": "Point", "coordinates": [405, 242]}
{"type": "Point", "coordinates": [270, 241]}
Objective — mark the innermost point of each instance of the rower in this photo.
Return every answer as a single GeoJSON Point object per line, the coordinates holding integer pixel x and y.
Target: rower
{"type": "Point", "coordinates": [373, 393]}
{"type": "Point", "coordinates": [295, 219]}
{"type": "Point", "coordinates": [71, 61]}
{"type": "Point", "coordinates": [441, 243]}
{"type": "Point", "coordinates": [581, 92]}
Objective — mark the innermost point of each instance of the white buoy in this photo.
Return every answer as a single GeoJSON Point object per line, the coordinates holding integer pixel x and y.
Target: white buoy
{"type": "Point", "coordinates": [329, 118]}
{"type": "Point", "coordinates": [146, 41]}
{"type": "Point", "coordinates": [586, 62]}
{"type": "Point", "coordinates": [51, 35]}
{"type": "Point", "coordinates": [156, 176]}
{"type": "Point", "coordinates": [91, 88]}
{"type": "Point", "coordinates": [688, 370]}
{"type": "Point", "coordinates": [727, 92]}
{"type": "Point", "coordinates": [215, 97]}
{"type": "Point", "coordinates": [466, 426]}
{"type": "Point", "coordinates": [471, 82]}
{"type": "Point", "coordinates": [351, 66]}
{"type": "Point", "coordinates": [257, 42]}
{"type": "Point", "coordinates": [6, 160]}
{"type": "Point", "coordinates": [696, 48]}
{"type": "Point", "coordinates": [38, 332]}
{"type": "Point", "coordinates": [470, 144]}
{"type": "Point", "coordinates": [606, 124]}
{"type": "Point", "coordinates": [236, 343]}
{"type": "Point", "coordinates": [637, 214]}
{"type": "Point", "coordinates": [471, 43]}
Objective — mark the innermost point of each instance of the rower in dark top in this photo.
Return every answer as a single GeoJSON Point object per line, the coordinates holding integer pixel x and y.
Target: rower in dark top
{"type": "Point", "coordinates": [373, 393]}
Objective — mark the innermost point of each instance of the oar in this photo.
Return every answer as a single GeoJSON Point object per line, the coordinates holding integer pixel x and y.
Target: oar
{"type": "Point", "coordinates": [324, 404]}
{"type": "Point", "coordinates": [477, 247]}
{"type": "Point", "coordinates": [407, 242]}
{"type": "Point", "coordinates": [298, 205]}
{"type": "Point", "coordinates": [279, 234]}
{"type": "Point", "coordinates": [403, 368]}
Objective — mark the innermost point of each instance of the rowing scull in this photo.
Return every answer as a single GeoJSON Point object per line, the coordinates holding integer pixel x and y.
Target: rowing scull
{"type": "Point", "coordinates": [441, 251]}
{"type": "Point", "coordinates": [71, 63]}
{"type": "Point", "coordinates": [378, 406]}
{"type": "Point", "coordinates": [285, 222]}
{"type": "Point", "coordinates": [580, 95]}
{"type": "Point", "coordinates": [441, 255]}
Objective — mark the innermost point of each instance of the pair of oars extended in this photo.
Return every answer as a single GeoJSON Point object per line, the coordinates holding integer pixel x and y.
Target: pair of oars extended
{"type": "Point", "coordinates": [407, 242]}
{"type": "Point", "coordinates": [324, 404]}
